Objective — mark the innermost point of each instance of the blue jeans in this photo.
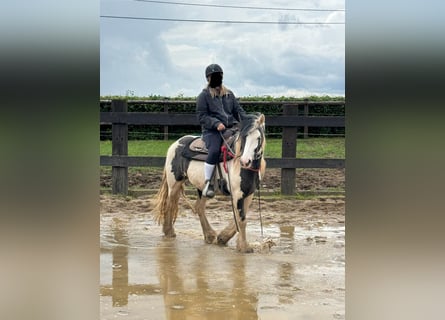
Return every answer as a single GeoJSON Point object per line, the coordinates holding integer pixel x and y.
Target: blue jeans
{"type": "Point", "coordinates": [213, 141]}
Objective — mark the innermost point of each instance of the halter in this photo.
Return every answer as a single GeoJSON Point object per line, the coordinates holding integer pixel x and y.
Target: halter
{"type": "Point", "coordinates": [258, 152]}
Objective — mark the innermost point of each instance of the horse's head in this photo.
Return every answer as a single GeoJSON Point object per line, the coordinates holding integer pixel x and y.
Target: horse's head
{"type": "Point", "coordinates": [253, 140]}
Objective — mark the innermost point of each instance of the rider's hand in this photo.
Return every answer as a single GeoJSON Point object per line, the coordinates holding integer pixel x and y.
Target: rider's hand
{"type": "Point", "coordinates": [221, 127]}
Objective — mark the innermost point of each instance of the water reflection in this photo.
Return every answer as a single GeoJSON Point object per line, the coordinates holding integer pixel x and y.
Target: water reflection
{"type": "Point", "coordinates": [287, 238]}
{"type": "Point", "coordinates": [286, 269]}
{"type": "Point", "coordinates": [184, 278]}
{"type": "Point", "coordinates": [120, 266]}
{"type": "Point", "coordinates": [120, 288]}
{"type": "Point", "coordinates": [195, 282]}
{"type": "Point", "coordinates": [199, 289]}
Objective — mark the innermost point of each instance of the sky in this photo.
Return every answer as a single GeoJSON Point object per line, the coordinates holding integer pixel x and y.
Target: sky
{"type": "Point", "coordinates": [168, 58]}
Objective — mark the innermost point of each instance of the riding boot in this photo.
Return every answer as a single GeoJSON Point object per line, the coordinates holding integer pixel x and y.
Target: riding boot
{"type": "Point", "coordinates": [208, 190]}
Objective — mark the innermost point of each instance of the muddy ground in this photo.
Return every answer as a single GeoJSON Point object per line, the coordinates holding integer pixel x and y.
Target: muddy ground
{"type": "Point", "coordinates": [307, 180]}
{"type": "Point", "coordinates": [295, 272]}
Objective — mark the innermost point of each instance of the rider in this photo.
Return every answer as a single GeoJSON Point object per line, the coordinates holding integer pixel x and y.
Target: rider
{"type": "Point", "coordinates": [217, 109]}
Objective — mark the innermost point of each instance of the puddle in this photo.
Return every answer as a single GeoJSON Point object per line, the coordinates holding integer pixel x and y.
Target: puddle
{"type": "Point", "coordinates": [145, 276]}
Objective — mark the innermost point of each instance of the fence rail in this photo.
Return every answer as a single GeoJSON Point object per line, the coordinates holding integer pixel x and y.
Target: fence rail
{"type": "Point", "coordinates": [119, 118]}
{"type": "Point", "coordinates": [173, 119]}
{"type": "Point", "coordinates": [140, 161]}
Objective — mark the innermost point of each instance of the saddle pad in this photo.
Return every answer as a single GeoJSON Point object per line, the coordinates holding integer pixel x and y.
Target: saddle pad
{"type": "Point", "coordinates": [198, 145]}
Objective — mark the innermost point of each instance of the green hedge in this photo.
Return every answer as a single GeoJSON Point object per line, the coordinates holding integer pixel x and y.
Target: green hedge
{"type": "Point", "coordinates": [144, 132]}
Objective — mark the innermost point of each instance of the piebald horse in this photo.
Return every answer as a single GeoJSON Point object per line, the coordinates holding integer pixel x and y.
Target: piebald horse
{"type": "Point", "coordinates": [244, 172]}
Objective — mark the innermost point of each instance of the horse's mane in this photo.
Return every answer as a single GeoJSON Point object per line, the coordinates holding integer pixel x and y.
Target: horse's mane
{"type": "Point", "coordinates": [248, 123]}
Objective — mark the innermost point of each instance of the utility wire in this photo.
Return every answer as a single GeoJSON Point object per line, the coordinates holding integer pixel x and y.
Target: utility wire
{"type": "Point", "coordinates": [220, 21]}
{"type": "Point", "coordinates": [237, 7]}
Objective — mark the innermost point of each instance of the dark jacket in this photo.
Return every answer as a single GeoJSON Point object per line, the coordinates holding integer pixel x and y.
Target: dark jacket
{"type": "Point", "coordinates": [212, 111]}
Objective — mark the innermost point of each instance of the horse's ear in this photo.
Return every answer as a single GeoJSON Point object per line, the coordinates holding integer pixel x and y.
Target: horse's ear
{"type": "Point", "coordinates": [261, 119]}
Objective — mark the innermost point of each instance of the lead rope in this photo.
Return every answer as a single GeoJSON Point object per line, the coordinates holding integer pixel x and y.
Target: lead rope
{"type": "Point", "coordinates": [226, 169]}
{"type": "Point", "coordinates": [231, 201]}
{"type": "Point", "coordinates": [259, 203]}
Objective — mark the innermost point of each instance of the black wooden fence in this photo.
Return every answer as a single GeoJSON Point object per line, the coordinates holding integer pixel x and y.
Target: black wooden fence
{"type": "Point", "coordinates": [119, 118]}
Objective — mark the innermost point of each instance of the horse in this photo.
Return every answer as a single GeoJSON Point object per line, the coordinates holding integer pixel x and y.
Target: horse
{"type": "Point", "coordinates": [245, 169]}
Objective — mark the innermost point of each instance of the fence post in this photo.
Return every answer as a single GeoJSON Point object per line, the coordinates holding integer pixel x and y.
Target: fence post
{"type": "Point", "coordinates": [166, 127]}
{"type": "Point", "coordinates": [306, 113]}
{"type": "Point", "coordinates": [289, 150]}
{"type": "Point", "coordinates": [119, 148]}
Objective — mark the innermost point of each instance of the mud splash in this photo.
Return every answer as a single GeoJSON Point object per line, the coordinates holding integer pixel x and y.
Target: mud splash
{"type": "Point", "coordinates": [145, 276]}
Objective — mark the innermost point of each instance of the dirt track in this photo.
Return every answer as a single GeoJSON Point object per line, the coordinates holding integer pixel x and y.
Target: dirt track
{"type": "Point", "coordinates": [323, 210]}
{"type": "Point", "coordinates": [314, 180]}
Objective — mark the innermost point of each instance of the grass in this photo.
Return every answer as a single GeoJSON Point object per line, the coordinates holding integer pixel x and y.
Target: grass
{"type": "Point", "coordinates": [333, 148]}
{"type": "Point", "coordinates": [139, 147]}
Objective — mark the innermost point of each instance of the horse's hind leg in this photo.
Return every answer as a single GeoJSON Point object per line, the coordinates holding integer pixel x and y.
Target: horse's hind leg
{"type": "Point", "coordinates": [241, 243]}
{"type": "Point", "coordinates": [209, 233]}
{"type": "Point", "coordinates": [171, 211]}
{"type": "Point", "coordinates": [227, 233]}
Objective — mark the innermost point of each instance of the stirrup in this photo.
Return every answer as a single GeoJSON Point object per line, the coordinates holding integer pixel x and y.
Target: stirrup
{"type": "Point", "coordinates": [208, 190]}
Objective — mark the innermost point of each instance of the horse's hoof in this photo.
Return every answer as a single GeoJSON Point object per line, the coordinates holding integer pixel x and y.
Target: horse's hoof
{"type": "Point", "coordinates": [170, 234]}
{"type": "Point", "coordinates": [221, 240]}
{"type": "Point", "coordinates": [210, 238]}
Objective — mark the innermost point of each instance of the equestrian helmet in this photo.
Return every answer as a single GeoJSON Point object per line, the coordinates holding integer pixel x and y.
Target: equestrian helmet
{"type": "Point", "coordinates": [213, 68]}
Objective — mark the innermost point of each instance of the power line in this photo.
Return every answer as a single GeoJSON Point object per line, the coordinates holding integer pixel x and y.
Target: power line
{"type": "Point", "coordinates": [220, 21]}
{"type": "Point", "coordinates": [237, 7]}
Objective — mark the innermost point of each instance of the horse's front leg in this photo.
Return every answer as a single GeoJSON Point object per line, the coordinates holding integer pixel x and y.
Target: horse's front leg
{"type": "Point", "coordinates": [240, 214]}
{"type": "Point", "coordinates": [209, 233]}
{"type": "Point", "coordinates": [241, 243]}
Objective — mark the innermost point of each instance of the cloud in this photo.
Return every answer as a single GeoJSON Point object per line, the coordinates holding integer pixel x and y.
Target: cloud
{"type": "Point", "coordinates": [169, 58]}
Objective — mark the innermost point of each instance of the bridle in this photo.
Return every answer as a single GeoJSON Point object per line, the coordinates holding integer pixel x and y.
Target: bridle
{"type": "Point", "coordinates": [258, 152]}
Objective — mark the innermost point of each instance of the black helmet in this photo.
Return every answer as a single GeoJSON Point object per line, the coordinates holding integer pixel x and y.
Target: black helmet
{"type": "Point", "coordinates": [213, 68]}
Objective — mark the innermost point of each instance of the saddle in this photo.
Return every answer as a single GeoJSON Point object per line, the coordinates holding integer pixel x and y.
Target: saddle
{"type": "Point", "coordinates": [196, 148]}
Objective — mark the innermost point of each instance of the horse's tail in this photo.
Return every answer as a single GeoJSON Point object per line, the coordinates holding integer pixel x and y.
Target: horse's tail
{"type": "Point", "coordinates": [161, 200]}
{"type": "Point", "coordinates": [167, 201]}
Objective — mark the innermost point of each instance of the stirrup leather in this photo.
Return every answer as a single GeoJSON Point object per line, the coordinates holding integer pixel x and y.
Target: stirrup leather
{"type": "Point", "coordinates": [208, 190]}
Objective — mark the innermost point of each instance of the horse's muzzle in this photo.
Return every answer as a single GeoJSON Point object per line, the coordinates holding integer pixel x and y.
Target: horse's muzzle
{"type": "Point", "coordinates": [246, 164]}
